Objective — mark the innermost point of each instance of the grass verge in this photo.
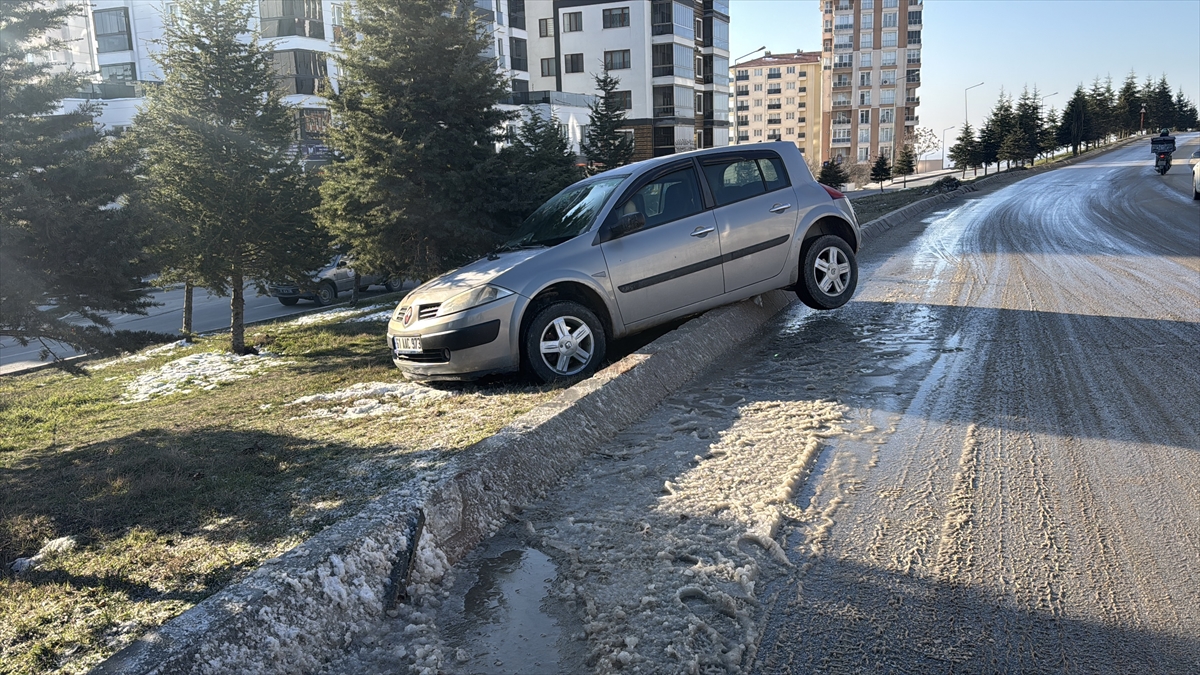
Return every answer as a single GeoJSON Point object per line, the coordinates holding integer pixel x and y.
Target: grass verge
{"type": "Point", "coordinates": [169, 499]}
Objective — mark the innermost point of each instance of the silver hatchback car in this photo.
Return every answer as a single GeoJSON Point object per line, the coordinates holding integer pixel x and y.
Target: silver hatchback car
{"type": "Point", "coordinates": [629, 249]}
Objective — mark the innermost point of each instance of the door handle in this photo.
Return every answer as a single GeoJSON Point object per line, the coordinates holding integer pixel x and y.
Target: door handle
{"type": "Point", "coordinates": [702, 231]}
{"type": "Point", "coordinates": [780, 208]}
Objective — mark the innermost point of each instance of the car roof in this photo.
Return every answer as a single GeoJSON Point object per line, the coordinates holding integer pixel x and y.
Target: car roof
{"type": "Point", "coordinates": [637, 168]}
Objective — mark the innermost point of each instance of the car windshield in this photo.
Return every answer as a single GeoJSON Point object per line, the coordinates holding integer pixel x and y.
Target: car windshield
{"type": "Point", "coordinates": [567, 214]}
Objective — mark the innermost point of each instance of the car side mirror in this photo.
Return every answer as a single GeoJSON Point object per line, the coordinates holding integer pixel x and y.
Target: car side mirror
{"type": "Point", "coordinates": [630, 222]}
{"type": "Point", "coordinates": [343, 263]}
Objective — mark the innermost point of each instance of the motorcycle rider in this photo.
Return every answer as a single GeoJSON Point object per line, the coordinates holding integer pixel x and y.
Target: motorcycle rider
{"type": "Point", "coordinates": [1163, 146]}
{"type": "Point", "coordinates": [1164, 138]}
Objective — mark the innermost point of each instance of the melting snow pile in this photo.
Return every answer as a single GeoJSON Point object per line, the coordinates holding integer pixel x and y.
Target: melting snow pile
{"type": "Point", "coordinates": [207, 371]}
{"type": "Point", "coordinates": [371, 399]}
{"type": "Point", "coordinates": [381, 315]}
{"type": "Point", "coordinates": [143, 356]}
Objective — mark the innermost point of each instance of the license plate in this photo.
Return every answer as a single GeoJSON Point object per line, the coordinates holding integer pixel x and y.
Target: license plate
{"type": "Point", "coordinates": [407, 345]}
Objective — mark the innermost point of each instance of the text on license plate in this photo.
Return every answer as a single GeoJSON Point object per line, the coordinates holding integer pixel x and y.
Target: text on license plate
{"type": "Point", "coordinates": [407, 345]}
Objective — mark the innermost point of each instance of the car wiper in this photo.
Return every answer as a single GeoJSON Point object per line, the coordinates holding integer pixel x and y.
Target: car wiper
{"type": "Point", "coordinates": [504, 248]}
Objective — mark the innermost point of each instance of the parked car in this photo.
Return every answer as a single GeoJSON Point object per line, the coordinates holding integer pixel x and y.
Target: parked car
{"type": "Point", "coordinates": [629, 249]}
{"type": "Point", "coordinates": [1195, 162]}
{"type": "Point", "coordinates": [327, 282]}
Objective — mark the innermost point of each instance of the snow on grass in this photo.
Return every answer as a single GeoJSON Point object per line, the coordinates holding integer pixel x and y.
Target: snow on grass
{"type": "Point", "coordinates": [204, 371]}
{"type": "Point", "coordinates": [141, 356]}
{"type": "Point", "coordinates": [380, 312]}
{"type": "Point", "coordinates": [371, 399]}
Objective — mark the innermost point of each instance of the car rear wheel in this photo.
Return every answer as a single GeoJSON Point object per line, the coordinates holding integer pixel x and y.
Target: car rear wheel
{"type": "Point", "coordinates": [565, 341]}
{"type": "Point", "coordinates": [828, 273]}
{"type": "Point", "coordinates": [326, 293]}
{"type": "Point", "coordinates": [288, 302]}
{"type": "Point", "coordinates": [394, 285]}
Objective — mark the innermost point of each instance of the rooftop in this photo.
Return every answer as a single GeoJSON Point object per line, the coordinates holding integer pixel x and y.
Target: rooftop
{"type": "Point", "coordinates": [770, 59]}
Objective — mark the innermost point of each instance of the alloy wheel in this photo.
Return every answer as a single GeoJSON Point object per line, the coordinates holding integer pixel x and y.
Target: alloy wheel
{"type": "Point", "coordinates": [567, 345]}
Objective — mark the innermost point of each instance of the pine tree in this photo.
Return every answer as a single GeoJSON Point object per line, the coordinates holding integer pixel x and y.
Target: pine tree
{"type": "Point", "coordinates": [216, 139]}
{"type": "Point", "coordinates": [1048, 135]}
{"type": "Point", "coordinates": [1003, 120]}
{"type": "Point", "coordinates": [1160, 105]}
{"type": "Point", "coordinates": [880, 171]}
{"type": "Point", "coordinates": [988, 145]}
{"type": "Point", "coordinates": [605, 146]}
{"type": "Point", "coordinates": [415, 126]}
{"type": "Point", "coordinates": [535, 167]}
{"type": "Point", "coordinates": [1029, 123]}
{"type": "Point", "coordinates": [965, 151]}
{"type": "Point", "coordinates": [1129, 106]}
{"type": "Point", "coordinates": [833, 175]}
{"type": "Point", "coordinates": [1075, 126]}
{"type": "Point", "coordinates": [69, 245]}
{"type": "Point", "coordinates": [1014, 148]}
{"type": "Point", "coordinates": [906, 163]}
{"type": "Point", "coordinates": [1185, 111]}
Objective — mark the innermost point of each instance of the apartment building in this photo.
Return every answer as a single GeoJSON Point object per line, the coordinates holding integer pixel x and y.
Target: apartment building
{"type": "Point", "coordinates": [671, 57]}
{"type": "Point", "coordinates": [872, 66]}
{"type": "Point", "coordinates": [778, 98]}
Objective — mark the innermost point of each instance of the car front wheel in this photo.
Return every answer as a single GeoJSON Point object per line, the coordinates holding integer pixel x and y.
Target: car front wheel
{"type": "Point", "coordinates": [828, 273]}
{"type": "Point", "coordinates": [564, 341]}
{"type": "Point", "coordinates": [326, 293]}
{"type": "Point", "coordinates": [394, 284]}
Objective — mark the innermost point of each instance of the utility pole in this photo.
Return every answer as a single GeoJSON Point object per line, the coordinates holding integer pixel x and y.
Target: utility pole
{"type": "Point", "coordinates": [1142, 121]}
{"type": "Point", "coordinates": [966, 117]}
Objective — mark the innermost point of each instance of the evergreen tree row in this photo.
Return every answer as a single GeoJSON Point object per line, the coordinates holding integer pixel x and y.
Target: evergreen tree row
{"type": "Point", "coordinates": [207, 189]}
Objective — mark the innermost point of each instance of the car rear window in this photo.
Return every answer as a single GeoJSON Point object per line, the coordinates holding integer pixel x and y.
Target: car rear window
{"type": "Point", "coordinates": [734, 180]}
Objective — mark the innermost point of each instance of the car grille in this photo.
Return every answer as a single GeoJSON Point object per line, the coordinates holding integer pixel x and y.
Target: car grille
{"type": "Point", "coordinates": [428, 311]}
{"type": "Point", "coordinates": [427, 356]}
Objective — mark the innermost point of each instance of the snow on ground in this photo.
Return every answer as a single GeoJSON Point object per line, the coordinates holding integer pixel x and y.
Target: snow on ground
{"type": "Point", "coordinates": [141, 356]}
{"type": "Point", "coordinates": [205, 371]}
{"type": "Point", "coordinates": [370, 399]}
{"type": "Point", "coordinates": [354, 314]}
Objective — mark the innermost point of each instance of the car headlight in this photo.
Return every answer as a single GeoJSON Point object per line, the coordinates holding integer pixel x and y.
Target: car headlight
{"type": "Point", "coordinates": [472, 298]}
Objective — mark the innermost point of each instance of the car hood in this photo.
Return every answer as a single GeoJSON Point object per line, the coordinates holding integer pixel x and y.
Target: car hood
{"type": "Point", "coordinates": [482, 271]}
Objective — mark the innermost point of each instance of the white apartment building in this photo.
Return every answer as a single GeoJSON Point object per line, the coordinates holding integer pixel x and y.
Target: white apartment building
{"type": "Point", "coordinates": [778, 98]}
{"type": "Point", "coordinates": [872, 62]}
{"type": "Point", "coordinates": [113, 40]}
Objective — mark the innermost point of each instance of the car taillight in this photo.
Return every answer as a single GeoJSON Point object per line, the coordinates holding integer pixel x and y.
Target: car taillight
{"type": "Point", "coordinates": [832, 193]}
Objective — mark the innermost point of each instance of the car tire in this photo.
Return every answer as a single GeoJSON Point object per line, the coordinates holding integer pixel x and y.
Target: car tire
{"type": "Point", "coordinates": [1195, 194]}
{"type": "Point", "coordinates": [288, 302]}
{"type": "Point", "coordinates": [393, 285]}
{"type": "Point", "coordinates": [818, 286]}
{"type": "Point", "coordinates": [552, 346]}
{"type": "Point", "coordinates": [326, 294]}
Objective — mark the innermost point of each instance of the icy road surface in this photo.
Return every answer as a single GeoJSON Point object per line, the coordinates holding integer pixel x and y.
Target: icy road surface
{"type": "Point", "coordinates": [988, 462]}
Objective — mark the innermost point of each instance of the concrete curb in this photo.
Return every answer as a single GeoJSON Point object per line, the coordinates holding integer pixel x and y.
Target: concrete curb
{"type": "Point", "coordinates": [299, 609]}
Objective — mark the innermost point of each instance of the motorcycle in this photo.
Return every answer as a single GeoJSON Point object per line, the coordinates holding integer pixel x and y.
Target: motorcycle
{"type": "Point", "coordinates": [1162, 162]}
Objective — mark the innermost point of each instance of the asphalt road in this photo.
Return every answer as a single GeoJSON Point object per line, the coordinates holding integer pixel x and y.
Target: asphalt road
{"type": "Point", "coordinates": [986, 462]}
{"type": "Point", "coordinates": [209, 313]}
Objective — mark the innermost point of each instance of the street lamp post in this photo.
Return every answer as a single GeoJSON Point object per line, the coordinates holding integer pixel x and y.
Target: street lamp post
{"type": "Point", "coordinates": [1040, 105]}
{"type": "Point", "coordinates": [1142, 121]}
{"type": "Point", "coordinates": [966, 117]}
{"type": "Point", "coordinates": [944, 143]}
{"type": "Point", "coordinates": [735, 97]}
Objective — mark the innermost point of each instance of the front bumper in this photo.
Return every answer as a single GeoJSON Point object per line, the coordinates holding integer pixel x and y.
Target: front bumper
{"type": "Point", "coordinates": [464, 345]}
{"type": "Point", "coordinates": [289, 292]}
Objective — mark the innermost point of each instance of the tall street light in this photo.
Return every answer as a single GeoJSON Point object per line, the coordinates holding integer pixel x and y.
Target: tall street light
{"type": "Point", "coordinates": [735, 97]}
{"type": "Point", "coordinates": [944, 143]}
{"type": "Point", "coordinates": [966, 117]}
{"type": "Point", "coordinates": [1040, 106]}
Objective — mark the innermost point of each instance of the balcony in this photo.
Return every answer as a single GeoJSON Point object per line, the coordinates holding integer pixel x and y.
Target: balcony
{"type": "Point", "coordinates": [774, 91]}
{"type": "Point", "coordinates": [913, 79]}
{"type": "Point", "coordinates": [743, 138]}
{"type": "Point", "coordinates": [841, 85]}
{"type": "Point", "coordinates": [840, 65]}
{"type": "Point", "coordinates": [774, 137]}
{"type": "Point", "coordinates": [911, 119]}
{"type": "Point", "coordinates": [743, 107]}
{"type": "Point", "coordinates": [774, 106]}
{"type": "Point", "coordinates": [912, 100]}
{"type": "Point", "coordinates": [840, 141]}
{"type": "Point", "coordinates": [742, 92]}
{"type": "Point", "coordinates": [774, 76]}
{"type": "Point", "coordinates": [548, 97]}
{"type": "Point", "coordinates": [742, 78]}
{"type": "Point", "coordinates": [841, 104]}
{"type": "Point", "coordinates": [774, 121]}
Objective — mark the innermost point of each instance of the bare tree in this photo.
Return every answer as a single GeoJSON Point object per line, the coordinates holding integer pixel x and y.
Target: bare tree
{"type": "Point", "coordinates": [924, 141]}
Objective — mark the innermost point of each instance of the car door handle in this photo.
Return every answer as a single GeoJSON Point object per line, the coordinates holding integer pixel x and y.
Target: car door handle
{"type": "Point", "coordinates": [780, 208]}
{"type": "Point", "coordinates": [702, 231]}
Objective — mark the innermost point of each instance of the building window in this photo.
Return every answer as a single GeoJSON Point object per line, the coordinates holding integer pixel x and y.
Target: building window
{"type": "Point", "coordinates": [791, 100]}
{"type": "Point", "coordinates": [867, 21]}
{"type": "Point", "coordinates": [624, 99]}
{"type": "Point", "coordinates": [617, 60]}
{"type": "Point", "coordinates": [914, 56]}
{"type": "Point", "coordinates": [890, 4]}
{"type": "Point", "coordinates": [843, 61]}
{"type": "Point", "coordinates": [546, 27]}
{"type": "Point", "coordinates": [887, 97]}
{"type": "Point", "coordinates": [573, 63]}
{"type": "Point", "coordinates": [758, 132]}
{"type": "Point", "coordinates": [118, 72]}
{"type": "Point", "coordinates": [801, 120]}
{"type": "Point", "coordinates": [112, 30]}
{"type": "Point", "coordinates": [887, 116]}
{"type": "Point", "coordinates": [864, 98]}
{"type": "Point", "coordinates": [889, 59]}
{"type": "Point", "coordinates": [864, 79]}
{"type": "Point", "coordinates": [337, 19]}
{"type": "Point", "coordinates": [864, 154]}
{"type": "Point", "coordinates": [841, 135]}
{"type": "Point", "coordinates": [864, 116]}
{"type": "Point", "coordinates": [864, 60]}
{"type": "Point", "coordinates": [789, 131]}
{"type": "Point", "coordinates": [803, 90]}
{"type": "Point", "coordinates": [886, 134]}
{"type": "Point", "coordinates": [516, 13]}
{"type": "Point", "coordinates": [844, 22]}
{"type": "Point", "coordinates": [867, 4]}
{"type": "Point", "coordinates": [743, 74]}
{"type": "Point", "coordinates": [572, 22]}
{"type": "Point", "coordinates": [758, 87]}
{"type": "Point", "coordinates": [519, 86]}
{"type": "Point", "coordinates": [913, 76]}
{"type": "Point", "coordinates": [864, 135]}
{"type": "Point", "coordinates": [914, 37]}
{"type": "Point", "coordinates": [889, 39]}
{"type": "Point", "coordinates": [790, 116]}
{"type": "Point", "coordinates": [865, 40]}
{"type": "Point", "coordinates": [758, 118]}
{"type": "Point", "coordinates": [800, 137]}
{"type": "Point", "coordinates": [791, 70]}
{"type": "Point", "coordinates": [843, 42]}
{"type": "Point", "coordinates": [889, 20]}
{"type": "Point", "coordinates": [500, 58]}
{"type": "Point", "coordinates": [549, 67]}
{"type": "Point", "coordinates": [299, 71]}
{"type": "Point", "coordinates": [914, 18]}
{"type": "Point", "coordinates": [520, 55]}
{"type": "Point", "coordinates": [887, 78]}
{"type": "Point", "coordinates": [281, 18]}
{"type": "Point", "coordinates": [616, 18]}
{"type": "Point", "coordinates": [773, 74]}
{"type": "Point", "coordinates": [758, 103]}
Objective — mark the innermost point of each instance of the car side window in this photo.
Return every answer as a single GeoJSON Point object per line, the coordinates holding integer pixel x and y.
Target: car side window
{"type": "Point", "coordinates": [734, 180]}
{"type": "Point", "coordinates": [773, 173]}
{"type": "Point", "coordinates": [667, 198]}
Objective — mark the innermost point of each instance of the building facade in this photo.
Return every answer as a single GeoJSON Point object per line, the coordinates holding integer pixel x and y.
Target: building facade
{"type": "Point", "coordinates": [872, 71]}
{"type": "Point", "coordinates": [671, 57]}
{"type": "Point", "coordinates": [778, 98]}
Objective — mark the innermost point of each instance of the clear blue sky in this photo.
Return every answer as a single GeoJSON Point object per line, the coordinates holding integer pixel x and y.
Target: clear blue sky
{"type": "Point", "coordinates": [1053, 44]}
